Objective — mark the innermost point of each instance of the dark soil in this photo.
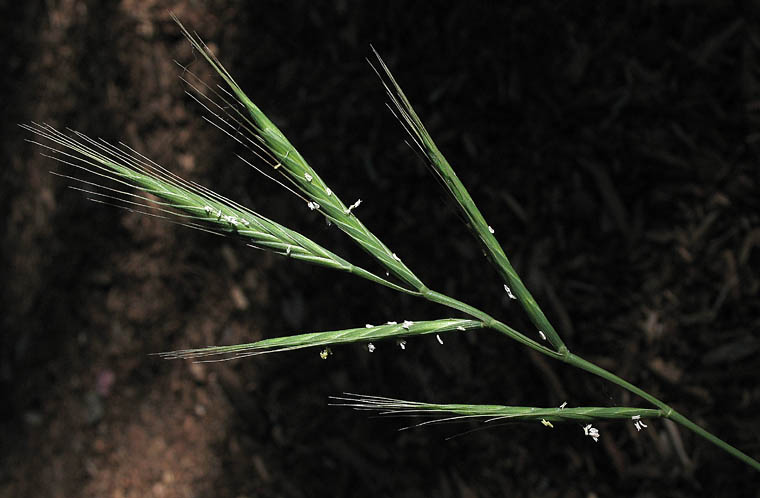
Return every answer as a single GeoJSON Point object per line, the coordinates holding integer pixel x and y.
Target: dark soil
{"type": "Point", "coordinates": [613, 146]}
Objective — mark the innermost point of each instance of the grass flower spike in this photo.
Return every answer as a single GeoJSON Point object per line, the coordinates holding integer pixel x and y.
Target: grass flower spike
{"type": "Point", "coordinates": [122, 176]}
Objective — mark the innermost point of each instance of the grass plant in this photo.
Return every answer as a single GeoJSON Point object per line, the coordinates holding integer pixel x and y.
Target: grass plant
{"type": "Point", "coordinates": [124, 177]}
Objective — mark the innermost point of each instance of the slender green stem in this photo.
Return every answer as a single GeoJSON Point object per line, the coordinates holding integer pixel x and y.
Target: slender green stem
{"type": "Point", "coordinates": [668, 412]}
{"type": "Point", "coordinates": [583, 364]}
{"type": "Point", "coordinates": [489, 321]}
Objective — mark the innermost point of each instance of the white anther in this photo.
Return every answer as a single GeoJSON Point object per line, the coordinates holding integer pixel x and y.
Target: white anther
{"type": "Point", "coordinates": [547, 423]}
{"type": "Point", "coordinates": [231, 220]}
{"type": "Point", "coordinates": [277, 165]}
{"type": "Point", "coordinates": [371, 347]}
{"type": "Point", "coordinates": [325, 353]}
{"type": "Point", "coordinates": [461, 327]}
{"type": "Point", "coordinates": [328, 222]}
{"type": "Point", "coordinates": [509, 292]}
{"type": "Point", "coordinates": [352, 207]}
{"type": "Point", "coordinates": [636, 417]}
{"type": "Point", "coordinates": [395, 257]}
{"type": "Point", "coordinates": [491, 229]}
{"type": "Point", "coordinates": [313, 205]}
{"type": "Point", "coordinates": [637, 426]}
{"type": "Point", "coordinates": [563, 405]}
{"type": "Point", "coordinates": [208, 210]}
{"type": "Point", "coordinates": [440, 341]}
{"type": "Point", "coordinates": [328, 191]}
{"type": "Point", "coordinates": [308, 177]}
{"type": "Point", "coordinates": [287, 251]}
{"type": "Point", "coordinates": [368, 326]}
{"type": "Point", "coordinates": [541, 333]}
{"type": "Point", "coordinates": [591, 432]}
{"type": "Point", "coordinates": [407, 324]}
{"type": "Point", "coordinates": [391, 323]}
{"type": "Point", "coordinates": [402, 344]}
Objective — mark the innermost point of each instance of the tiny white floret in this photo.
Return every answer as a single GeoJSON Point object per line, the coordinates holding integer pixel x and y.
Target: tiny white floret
{"type": "Point", "coordinates": [312, 205]}
{"type": "Point", "coordinates": [407, 324]}
{"type": "Point", "coordinates": [308, 177]}
{"type": "Point", "coordinates": [208, 210]}
{"type": "Point", "coordinates": [368, 326]}
{"type": "Point", "coordinates": [325, 353]}
{"type": "Point", "coordinates": [371, 347]}
{"type": "Point", "coordinates": [461, 328]}
{"type": "Point", "coordinates": [391, 323]}
{"type": "Point", "coordinates": [563, 405]}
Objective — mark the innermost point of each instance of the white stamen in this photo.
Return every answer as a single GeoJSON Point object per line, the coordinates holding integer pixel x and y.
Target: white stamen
{"type": "Point", "coordinates": [491, 229]}
{"type": "Point", "coordinates": [325, 353]}
{"type": "Point", "coordinates": [547, 423]}
{"type": "Point", "coordinates": [407, 324]}
{"type": "Point", "coordinates": [541, 333]}
{"type": "Point", "coordinates": [563, 405]}
{"type": "Point", "coordinates": [402, 344]}
{"type": "Point", "coordinates": [277, 165]}
{"type": "Point", "coordinates": [461, 328]}
{"type": "Point", "coordinates": [308, 177]}
{"type": "Point", "coordinates": [637, 426]}
{"type": "Point", "coordinates": [313, 205]}
{"type": "Point", "coordinates": [509, 292]}
{"type": "Point", "coordinates": [391, 323]}
{"type": "Point", "coordinates": [371, 347]}
{"type": "Point", "coordinates": [352, 207]}
{"type": "Point", "coordinates": [440, 341]}
{"type": "Point", "coordinates": [591, 432]}
{"type": "Point", "coordinates": [231, 220]}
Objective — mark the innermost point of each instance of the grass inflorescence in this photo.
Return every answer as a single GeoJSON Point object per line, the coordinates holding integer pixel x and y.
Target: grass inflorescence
{"type": "Point", "coordinates": [124, 177]}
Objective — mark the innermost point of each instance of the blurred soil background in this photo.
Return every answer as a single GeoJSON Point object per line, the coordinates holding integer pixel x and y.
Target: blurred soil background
{"type": "Point", "coordinates": [613, 146]}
